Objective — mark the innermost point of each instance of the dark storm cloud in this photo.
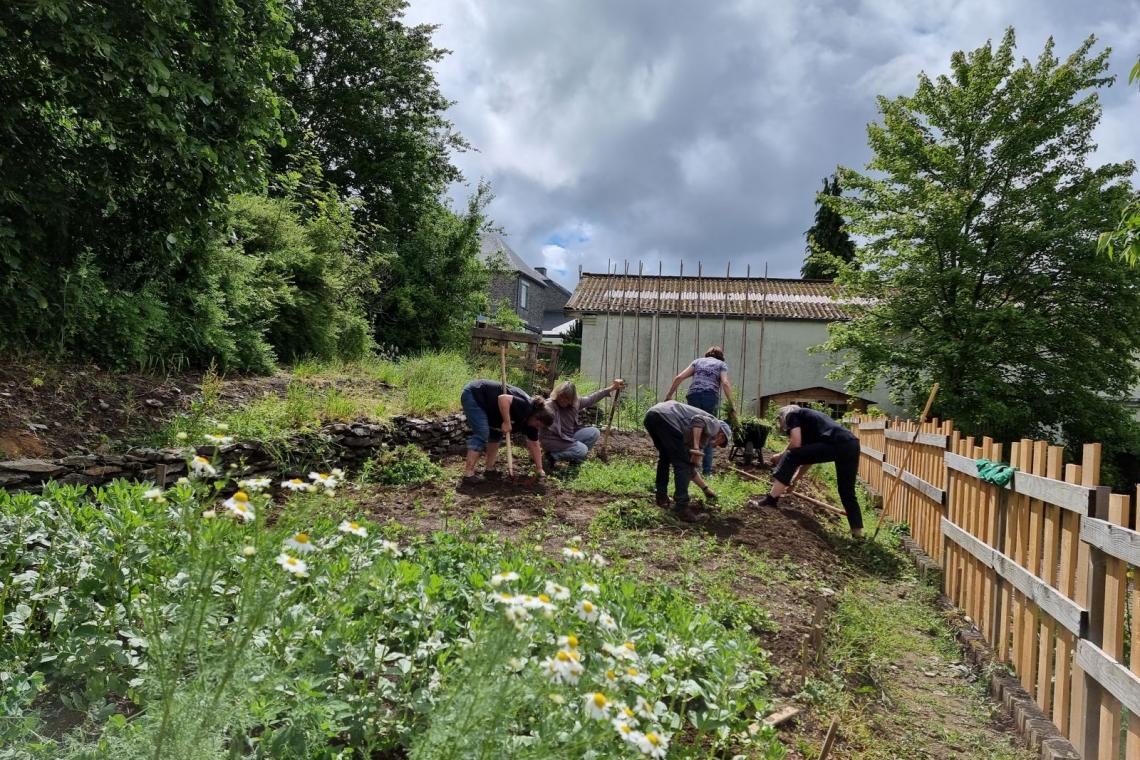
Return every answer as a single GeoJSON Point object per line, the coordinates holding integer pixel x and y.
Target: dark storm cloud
{"type": "Point", "coordinates": [641, 130]}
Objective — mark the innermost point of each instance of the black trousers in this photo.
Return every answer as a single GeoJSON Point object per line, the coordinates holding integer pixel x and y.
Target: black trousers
{"type": "Point", "coordinates": [671, 452]}
{"type": "Point", "coordinates": [845, 454]}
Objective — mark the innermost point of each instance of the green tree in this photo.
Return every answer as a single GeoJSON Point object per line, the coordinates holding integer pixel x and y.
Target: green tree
{"type": "Point", "coordinates": [369, 106]}
{"type": "Point", "coordinates": [981, 215]}
{"type": "Point", "coordinates": [122, 132]}
{"type": "Point", "coordinates": [1124, 241]}
{"type": "Point", "coordinates": [828, 244]}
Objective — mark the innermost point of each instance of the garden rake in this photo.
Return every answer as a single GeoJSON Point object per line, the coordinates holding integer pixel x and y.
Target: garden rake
{"type": "Point", "coordinates": [510, 449]}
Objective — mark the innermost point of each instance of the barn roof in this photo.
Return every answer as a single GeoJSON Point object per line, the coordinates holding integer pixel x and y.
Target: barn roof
{"type": "Point", "coordinates": [774, 298]}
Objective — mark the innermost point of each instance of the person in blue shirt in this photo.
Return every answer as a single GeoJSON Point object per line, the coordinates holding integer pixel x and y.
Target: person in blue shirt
{"type": "Point", "coordinates": [710, 377]}
{"type": "Point", "coordinates": [813, 437]}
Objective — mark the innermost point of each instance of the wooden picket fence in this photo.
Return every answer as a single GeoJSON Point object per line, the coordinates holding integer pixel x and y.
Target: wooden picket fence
{"type": "Point", "coordinates": [1043, 566]}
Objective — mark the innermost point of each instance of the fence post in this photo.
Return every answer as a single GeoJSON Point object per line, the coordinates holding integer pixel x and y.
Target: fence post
{"type": "Point", "coordinates": [1087, 694]}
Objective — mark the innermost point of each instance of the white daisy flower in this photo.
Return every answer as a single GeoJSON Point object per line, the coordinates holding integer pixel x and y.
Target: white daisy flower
{"type": "Point", "coordinates": [181, 436]}
{"type": "Point", "coordinates": [504, 598]}
{"type": "Point", "coordinates": [354, 528]}
{"type": "Point", "coordinates": [292, 564]}
{"type": "Point", "coordinates": [652, 743]}
{"type": "Point", "coordinates": [634, 676]}
{"type": "Point", "coordinates": [588, 611]}
{"type": "Point", "coordinates": [499, 579]}
{"type": "Point", "coordinates": [560, 593]}
{"type": "Point", "coordinates": [606, 621]}
{"type": "Point", "coordinates": [625, 713]}
{"type": "Point", "coordinates": [626, 651]}
{"type": "Point", "coordinates": [182, 482]}
{"type": "Point", "coordinates": [248, 551]}
{"type": "Point", "coordinates": [240, 506]}
{"type": "Point", "coordinates": [255, 484]}
{"type": "Point", "coordinates": [328, 480]}
{"type": "Point", "coordinates": [611, 676]}
{"type": "Point", "coordinates": [209, 514]}
{"type": "Point", "coordinates": [296, 484]}
{"type": "Point", "coordinates": [516, 664]}
{"type": "Point", "coordinates": [590, 588]}
{"type": "Point", "coordinates": [644, 709]}
{"type": "Point", "coordinates": [517, 614]}
{"type": "Point", "coordinates": [389, 547]}
{"type": "Point", "coordinates": [564, 667]}
{"type": "Point", "coordinates": [624, 729]}
{"type": "Point", "coordinates": [300, 542]}
{"type": "Point", "coordinates": [337, 473]}
{"type": "Point", "coordinates": [598, 561]}
{"type": "Point", "coordinates": [153, 494]}
{"type": "Point", "coordinates": [573, 552]}
{"type": "Point", "coordinates": [569, 641]}
{"type": "Point", "coordinates": [199, 465]}
{"type": "Point", "coordinates": [597, 706]}
{"type": "Point", "coordinates": [219, 440]}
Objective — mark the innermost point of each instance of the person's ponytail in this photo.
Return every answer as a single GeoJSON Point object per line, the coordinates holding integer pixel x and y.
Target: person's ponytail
{"type": "Point", "coordinates": [539, 412]}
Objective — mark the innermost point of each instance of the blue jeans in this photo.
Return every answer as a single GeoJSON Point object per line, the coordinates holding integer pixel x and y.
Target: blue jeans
{"type": "Point", "coordinates": [706, 401]}
{"type": "Point", "coordinates": [671, 452]}
{"type": "Point", "coordinates": [584, 440]}
{"type": "Point", "coordinates": [476, 420]}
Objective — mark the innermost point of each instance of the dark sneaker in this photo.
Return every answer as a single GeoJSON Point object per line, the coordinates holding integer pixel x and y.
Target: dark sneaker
{"type": "Point", "coordinates": [548, 462]}
{"type": "Point", "coordinates": [492, 474]}
{"type": "Point", "coordinates": [471, 480]}
{"type": "Point", "coordinates": [662, 501]}
{"type": "Point", "coordinates": [685, 514]}
{"type": "Point", "coordinates": [769, 501]}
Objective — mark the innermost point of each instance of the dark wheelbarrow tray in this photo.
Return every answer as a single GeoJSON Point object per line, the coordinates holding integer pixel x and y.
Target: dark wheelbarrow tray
{"type": "Point", "coordinates": [748, 441]}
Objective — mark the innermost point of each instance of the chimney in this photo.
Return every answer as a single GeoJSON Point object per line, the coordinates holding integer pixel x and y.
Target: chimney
{"type": "Point", "coordinates": [541, 270]}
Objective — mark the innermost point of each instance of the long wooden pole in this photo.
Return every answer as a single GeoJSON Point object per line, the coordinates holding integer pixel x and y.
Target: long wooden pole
{"type": "Point", "coordinates": [637, 334]}
{"type": "Point", "coordinates": [677, 320]}
{"type": "Point", "coordinates": [817, 502]}
{"type": "Point", "coordinates": [906, 460]}
{"type": "Point", "coordinates": [510, 449]}
{"type": "Point", "coordinates": [602, 450]}
{"type": "Point", "coordinates": [760, 351]}
{"type": "Point", "coordinates": [700, 292]}
{"type": "Point", "coordinates": [604, 365]}
{"type": "Point", "coordinates": [724, 305]}
{"type": "Point", "coordinates": [744, 338]}
{"type": "Point", "coordinates": [657, 335]}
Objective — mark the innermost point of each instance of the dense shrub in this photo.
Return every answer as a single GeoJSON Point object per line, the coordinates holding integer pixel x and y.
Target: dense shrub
{"type": "Point", "coordinates": [403, 465]}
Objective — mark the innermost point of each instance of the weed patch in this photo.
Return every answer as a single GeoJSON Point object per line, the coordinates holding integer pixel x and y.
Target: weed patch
{"type": "Point", "coordinates": [403, 465]}
{"type": "Point", "coordinates": [622, 477]}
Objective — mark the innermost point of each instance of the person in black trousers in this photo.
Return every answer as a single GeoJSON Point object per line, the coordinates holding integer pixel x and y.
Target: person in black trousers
{"type": "Point", "coordinates": [813, 438]}
{"type": "Point", "coordinates": [679, 432]}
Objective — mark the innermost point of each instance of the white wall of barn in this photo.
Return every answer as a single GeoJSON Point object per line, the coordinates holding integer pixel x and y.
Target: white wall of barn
{"type": "Point", "coordinates": [617, 346]}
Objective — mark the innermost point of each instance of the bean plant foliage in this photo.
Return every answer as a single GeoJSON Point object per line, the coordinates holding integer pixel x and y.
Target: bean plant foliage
{"type": "Point", "coordinates": [199, 622]}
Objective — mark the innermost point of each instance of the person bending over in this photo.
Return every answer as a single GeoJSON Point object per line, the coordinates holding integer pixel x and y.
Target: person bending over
{"type": "Point", "coordinates": [679, 432]}
{"type": "Point", "coordinates": [710, 376]}
{"type": "Point", "coordinates": [813, 437]}
{"type": "Point", "coordinates": [491, 414]}
{"type": "Point", "coordinates": [563, 440]}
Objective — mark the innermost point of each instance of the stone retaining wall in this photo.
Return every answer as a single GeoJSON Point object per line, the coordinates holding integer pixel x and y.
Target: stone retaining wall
{"type": "Point", "coordinates": [342, 444]}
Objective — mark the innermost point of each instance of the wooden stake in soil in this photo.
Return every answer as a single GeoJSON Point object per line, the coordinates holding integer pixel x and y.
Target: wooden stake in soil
{"type": "Point", "coordinates": [603, 452]}
{"type": "Point", "coordinates": [510, 451]}
{"type": "Point", "coordinates": [829, 740]}
{"type": "Point", "coordinates": [906, 460]}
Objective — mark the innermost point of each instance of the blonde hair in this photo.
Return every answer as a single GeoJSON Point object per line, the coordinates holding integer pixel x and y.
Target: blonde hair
{"type": "Point", "coordinates": [565, 390]}
{"type": "Point", "coordinates": [782, 415]}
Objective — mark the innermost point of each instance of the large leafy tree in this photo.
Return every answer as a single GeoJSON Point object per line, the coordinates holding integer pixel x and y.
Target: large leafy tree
{"type": "Point", "coordinates": [1124, 241]}
{"type": "Point", "coordinates": [981, 215]}
{"type": "Point", "coordinates": [370, 108]}
{"type": "Point", "coordinates": [123, 128]}
{"type": "Point", "coordinates": [828, 244]}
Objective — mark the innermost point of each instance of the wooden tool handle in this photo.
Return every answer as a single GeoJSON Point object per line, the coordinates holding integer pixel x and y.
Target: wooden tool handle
{"type": "Point", "coordinates": [510, 450]}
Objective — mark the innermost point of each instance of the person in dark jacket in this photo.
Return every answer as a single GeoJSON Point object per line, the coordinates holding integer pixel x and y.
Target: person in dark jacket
{"type": "Point", "coordinates": [491, 414]}
{"type": "Point", "coordinates": [679, 432]}
{"type": "Point", "coordinates": [813, 438]}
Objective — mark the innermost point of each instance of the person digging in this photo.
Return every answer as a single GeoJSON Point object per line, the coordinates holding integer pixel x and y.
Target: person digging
{"type": "Point", "coordinates": [679, 432]}
{"type": "Point", "coordinates": [491, 415]}
{"type": "Point", "coordinates": [564, 440]}
{"type": "Point", "coordinates": [814, 438]}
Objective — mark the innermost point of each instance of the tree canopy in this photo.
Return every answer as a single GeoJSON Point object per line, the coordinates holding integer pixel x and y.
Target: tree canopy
{"type": "Point", "coordinates": [981, 213]}
{"type": "Point", "coordinates": [828, 244]}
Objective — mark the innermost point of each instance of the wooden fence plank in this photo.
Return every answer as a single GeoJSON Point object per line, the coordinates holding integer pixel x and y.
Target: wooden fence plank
{"type": "Point", "coordinates": [877, 425]}
{"type": "Point", "coordinates": [1071, 496]}
{"type": "Point", "coordinates": [929, 490]}
{"type": "Point", "coordinates": [1051, 535]}
{"type": "Point", "coordinates": [1112, 643]}
{"type": "Point", "coordinates": [1132, 738]}
{"type": "Point", "coordinates": [868, 451]}
{"type": "Point", "coordinates": [937, 440]}
{"type": "Point", "coordinates": [1114, 540]}
{"type": "Point", "coordinates": [1123, 684]}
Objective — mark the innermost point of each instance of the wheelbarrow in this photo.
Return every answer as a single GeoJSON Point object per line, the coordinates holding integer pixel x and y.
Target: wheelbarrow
{"type": "Point", "coordinates": [748, 441]}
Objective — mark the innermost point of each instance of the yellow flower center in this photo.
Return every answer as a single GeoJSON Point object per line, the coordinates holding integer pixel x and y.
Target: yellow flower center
{"type": "Point", "coordinates": [240, 508]}
{"type": "Point", "coordinates": [354, 526]}
{"type": "Point", "coordinates": [624, 728]}
{"type": "Point", "coordinates": [290, 562]}
{"type": "Point", "coordinates": [575, 549]}
{"type": "Point", "coordinates": [630, 646]}
{"type": "Point", "coordinates": [562, 656]}
{"type": "Point", "coordinates": [201, 460]}
{"type": "Point", "coordinates": [587, 607]}
{"type": "Point", "coordinates": [295, 481]}
{"type": "Point", "coordinates": [653, 739]}
{"type": "Point", "coordinates": [632, 672]}
{"type": "Point", "coordinates": [611, 675]}
{"type": "Point", "coordinates": [544, 598]}
{"type": "Point", "coordinates": [628, 712]}
{"type": "Point", "coordinates": [600, 699]}
{"type": "Point", "coordinates": [572, 641]}
{"type": "Point", "coordinates": [301, 538]}
{"type": "Point", "coordinates": [241, 496]}
{"type": "Point", "coordinates": [323, 475]}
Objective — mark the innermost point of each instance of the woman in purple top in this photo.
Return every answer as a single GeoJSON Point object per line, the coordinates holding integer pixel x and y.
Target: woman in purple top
{"type": "Point", "coordinates": [710, 376]}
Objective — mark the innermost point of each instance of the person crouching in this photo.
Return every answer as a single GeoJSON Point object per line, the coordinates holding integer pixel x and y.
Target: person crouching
{"type": "Point", "coordinates": [679, 433]}
{"type": "Point", "coordinates": [563, 440]}
{"type": "Point", "coordinates": [491, 414]}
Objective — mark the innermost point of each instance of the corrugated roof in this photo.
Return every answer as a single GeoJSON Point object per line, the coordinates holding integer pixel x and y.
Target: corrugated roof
{"type": "Point", "coordinates": [712, 296]}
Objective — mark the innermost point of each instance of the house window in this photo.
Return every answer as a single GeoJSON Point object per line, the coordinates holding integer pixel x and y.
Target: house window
{"type": "Point", "coordinates": [524, 289]}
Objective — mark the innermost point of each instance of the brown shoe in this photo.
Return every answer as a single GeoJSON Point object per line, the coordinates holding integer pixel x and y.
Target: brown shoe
{"type": "Point", "coordinates": [663, 501]}
{"type": "Point", "coordinates": [685, 514]}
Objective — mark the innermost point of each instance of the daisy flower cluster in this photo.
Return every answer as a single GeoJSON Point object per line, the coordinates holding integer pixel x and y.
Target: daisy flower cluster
{"type": "Point", "coordinates": [317, 480]}
{"type": "Point", "coordinates": [301, 544]}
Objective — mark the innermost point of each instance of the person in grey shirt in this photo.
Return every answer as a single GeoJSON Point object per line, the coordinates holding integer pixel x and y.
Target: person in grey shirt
{"type": "Point", "coordinates": [563, 440]}
{"type": "Point", "coordinates": [679, 433]}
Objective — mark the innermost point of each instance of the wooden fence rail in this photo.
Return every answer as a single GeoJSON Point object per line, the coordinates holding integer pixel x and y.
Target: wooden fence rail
{"type": "Point", "coordinates": [1042, 565]}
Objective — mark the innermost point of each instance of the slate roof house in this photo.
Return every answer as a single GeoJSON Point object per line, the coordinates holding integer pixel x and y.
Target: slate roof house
{"type": "Point", "coordinates": [533, 295]}
{"type": "Point", "coordinates": [646, 329]}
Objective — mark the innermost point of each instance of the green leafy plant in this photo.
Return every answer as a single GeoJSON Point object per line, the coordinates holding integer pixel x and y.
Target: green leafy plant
{"type": "Point", "coordinates": [399, 466]}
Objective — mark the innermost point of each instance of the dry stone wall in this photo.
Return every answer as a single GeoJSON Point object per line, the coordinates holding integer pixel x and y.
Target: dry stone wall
{"type": "Point", "coordinates": [345, 445]}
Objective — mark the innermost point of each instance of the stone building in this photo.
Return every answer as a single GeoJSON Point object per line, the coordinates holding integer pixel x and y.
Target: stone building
{"type": "Point", "coordinates": [528, 290]}
{"type": "Point", "coordinates": [647, 329]}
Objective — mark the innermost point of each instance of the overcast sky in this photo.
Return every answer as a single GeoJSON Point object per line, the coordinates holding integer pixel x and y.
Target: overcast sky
{"type": "Point", "coordinates": [656, 131]}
